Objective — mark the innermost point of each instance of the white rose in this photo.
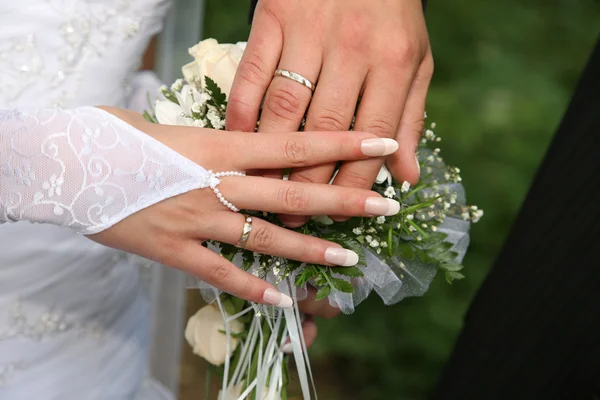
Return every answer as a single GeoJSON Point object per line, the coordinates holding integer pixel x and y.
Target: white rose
{"type": "Point", "coordinates": [234, 392]}
{"type": "Point", "coordinates": [217, 61]}
{"type": "Point", "coordinates": [204, 332]}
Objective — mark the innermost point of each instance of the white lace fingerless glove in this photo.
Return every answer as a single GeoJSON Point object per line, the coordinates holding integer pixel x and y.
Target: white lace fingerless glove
{"type": "Point", "coordinates": [85, 169]}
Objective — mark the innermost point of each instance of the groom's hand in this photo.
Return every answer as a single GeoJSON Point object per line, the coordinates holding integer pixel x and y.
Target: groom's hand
{"type": "Point", "coordinates": [376, 49]}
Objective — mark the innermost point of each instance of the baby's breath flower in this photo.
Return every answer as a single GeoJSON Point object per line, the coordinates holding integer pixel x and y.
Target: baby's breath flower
{"type": "Point", "coordinates": [466, 216]}
{"type": "Point", "coordinates": [369, 238]}
{"type": "Point", "coordinates": [378, 250]}
{"type": "Point", "coordinates": [371, 230]}
{"type": "Point", "coordinates": [430, 158]}
{"type": "Point", "coordinates": [433, 125]}
{"type": "Point", "coordinates": [380, 220]}
{"type": "Point", "coordinates": [429, 135]}
{"type": "Point", "coordinates": [477, 214]}
{"type": "Point", "coordinates": [384, 244]}
{"type": "Point", "coordinates": [419, 238]}
{"type": "Point", "coordinates": [374, 243]}
{"type": "Point", "coordinates": [204, 97]}
{"type": "Point", "coordinates": [410, 217]}
{"type": "Point", "coordinates": [199, 123]}
{"type": "Point", "coordinates": [424, 226]}
{"type": "Point", "coordinates": [357, 231]}
{"type": "Point", "coordinates": [215, 120]}
{"type": "Point", "coordinates": [434, 228]}
{"type": "Point", "coordinates": [197, 108]}
{"type": "Point", "coordinates": [390, 192]}
{"type": "Point", "coordinates": [177, 85]}
{"type": "Point", "coordinates": [405, 187]}
{"type": "Point", "coordinates": [411, 228]}
{"type": "Point", "coordinates": [164, 88]}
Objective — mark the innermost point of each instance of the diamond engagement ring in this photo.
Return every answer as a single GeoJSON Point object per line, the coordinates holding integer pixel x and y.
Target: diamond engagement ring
{"type": "Point", "coordinates": [296, 78]}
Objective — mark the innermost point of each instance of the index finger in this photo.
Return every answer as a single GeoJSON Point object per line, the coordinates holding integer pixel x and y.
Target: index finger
{"type": "Point", "coordinates": [255, 72]}
{"type": "Point", "coordinates": [292, 150]}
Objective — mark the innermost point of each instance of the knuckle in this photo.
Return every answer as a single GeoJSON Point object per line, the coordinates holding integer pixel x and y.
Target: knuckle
{"type": "Point", "coordinates": [246, 288]}
{"type": "Point", "coordinates": [271, 8]}
{"type": "Point", "coordinates": [330, 119]}
{"type": "Point", "coordinates": [285, 104]}
{"type": "Point", "coordinates": [240, 114]}
{"type": "Point", "coordinates": [402, 54]}
{"type": "Point", "coordinates": [263, 239]}
{"type": "Point", "coordinates": [381, 126]}
{"type": "Point", "coordinates": [294, 199]}
{"type": "Point", "coordinates": [253, 70]}
{"type": "Point", "coordinates": [219, 273]}
{"type": "Point", "coordinates": [408, 50]}
{"type": "Point", "coordinates": [356, 180]}
{"type": "Point", "coordinates": [296, 151]}
{"type": "Point", "coordinates": [305, 176]}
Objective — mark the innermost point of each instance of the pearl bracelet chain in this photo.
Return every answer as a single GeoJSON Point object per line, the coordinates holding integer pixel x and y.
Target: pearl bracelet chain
{"type": "Point", "coordinates": [220, 196]}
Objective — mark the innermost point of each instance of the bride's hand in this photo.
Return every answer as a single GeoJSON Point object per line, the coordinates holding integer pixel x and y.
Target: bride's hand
{"type": "Point", "coordinates": [172, 231]}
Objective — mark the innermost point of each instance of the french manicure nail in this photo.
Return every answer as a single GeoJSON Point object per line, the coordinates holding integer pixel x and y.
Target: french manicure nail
{"type": "Point", "coordinates": [287, 348]}
{"type": "Point", "coordinates": [339, 256]}
{"type": "Point", "coordinates": [382, 206]}
{"type": "Point", "coordinates": [378, 147]}
{"type": "Point", "coordinates": [278, 299]}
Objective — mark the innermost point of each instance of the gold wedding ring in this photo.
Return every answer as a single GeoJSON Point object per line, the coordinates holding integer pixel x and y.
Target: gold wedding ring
{"type": "Point", "coordinates": [284, 73]}
{"type": "Point", "coordinates": [245, 232]}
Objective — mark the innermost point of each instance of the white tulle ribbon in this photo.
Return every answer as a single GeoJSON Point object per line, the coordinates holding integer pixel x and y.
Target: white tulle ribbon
{"type": "Point", "coordinates": [267, 379]}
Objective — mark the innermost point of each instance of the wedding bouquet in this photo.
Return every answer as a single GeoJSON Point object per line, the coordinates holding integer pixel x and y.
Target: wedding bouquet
{"type": "Point", "coordinates": [398, 256]}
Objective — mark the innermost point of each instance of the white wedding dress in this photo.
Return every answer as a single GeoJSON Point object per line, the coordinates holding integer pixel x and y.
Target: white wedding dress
{"type": "Point", "coordinates": [74, 315]}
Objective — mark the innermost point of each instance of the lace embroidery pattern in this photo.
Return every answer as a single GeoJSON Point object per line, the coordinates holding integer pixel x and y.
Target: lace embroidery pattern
{"type": "Point", "coordinates": [86, 29]}
{"type": "Point", "coordinates": [86, 169]}
{"type": "Point", "coordinates": [40, 326]}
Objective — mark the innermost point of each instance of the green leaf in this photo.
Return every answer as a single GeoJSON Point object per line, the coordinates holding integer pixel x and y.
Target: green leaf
{"type": "Point", "coordinates": [323, 293]}
{"type": "Point", "coordinates": [348, 271]}
{"type": "Point", "coordinates": [452, 267]}
{"type": "Point", "coordinates": [406, 251]}
{"type": "Point", "coordinates": [149, 117]}
{"type": "Point", "coordinates": [342, 285]}
{"type": "Point", "coordinates": [447, 257]}
{"type": "Point", "coordinates": [247, 259]}
{"type": "Point", "coordinates": [452, 276]}
{"type": "Point", "coordinates": [215, 92]}
{"type": "Point", "coordinates": [309, 272]}
{"type": "Point", "coordinates": [435, 237]}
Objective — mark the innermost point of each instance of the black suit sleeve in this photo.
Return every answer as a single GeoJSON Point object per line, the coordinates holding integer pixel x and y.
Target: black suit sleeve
{"type": "Point", "coordinates": [533, 330]}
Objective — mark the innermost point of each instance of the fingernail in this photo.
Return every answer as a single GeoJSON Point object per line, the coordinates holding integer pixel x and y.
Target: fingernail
{"type": "Point", "coordinates": [382, 206]}
{"type": "Point", "coordinates": [272, 296]}
{"type": "Point", "coordinates": [287, 348]}
{"type": "Point", "coordinates": [378, 147]}
{"type": "Point", "coordinates": [339, 256]}
{"type": "Point", "coordinates": [418, 165]}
